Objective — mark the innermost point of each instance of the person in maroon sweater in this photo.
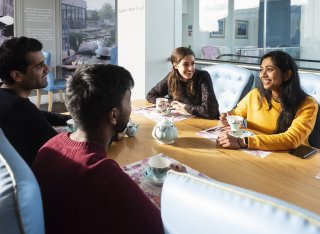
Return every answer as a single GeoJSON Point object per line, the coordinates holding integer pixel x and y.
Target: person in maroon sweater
{"type": "Point", "coordinates": [83, 191]}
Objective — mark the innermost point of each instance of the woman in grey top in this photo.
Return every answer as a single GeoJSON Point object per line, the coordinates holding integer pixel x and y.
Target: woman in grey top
{"type": "Point", "coordinates": [189, 90]}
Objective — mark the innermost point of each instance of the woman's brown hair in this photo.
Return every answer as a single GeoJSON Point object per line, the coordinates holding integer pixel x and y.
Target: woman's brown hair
{"type": "Point", "coordinates": [174, 77]}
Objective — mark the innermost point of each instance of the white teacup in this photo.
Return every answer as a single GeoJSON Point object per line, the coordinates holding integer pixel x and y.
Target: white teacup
{"type": "Point", "coordinates": [235, 122]}
{"type": "Point", "coordinates": [72, 125]}
{"type": "Point", "coordinates": [162, 104]}
{"type": "Point", "coordinates": [158, 166]}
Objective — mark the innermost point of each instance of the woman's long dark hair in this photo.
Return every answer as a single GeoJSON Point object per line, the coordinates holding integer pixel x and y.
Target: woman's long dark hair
{"type": "Point", "coordinates": [174, 77]}
{"type": "Point", "coordinates": [291, 96]}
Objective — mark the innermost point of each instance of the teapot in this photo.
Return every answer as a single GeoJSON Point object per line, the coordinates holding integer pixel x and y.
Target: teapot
{"type": "Point", "coordinates": [131, 129]}
{"type": "Point", "coordinates": [165, 131]}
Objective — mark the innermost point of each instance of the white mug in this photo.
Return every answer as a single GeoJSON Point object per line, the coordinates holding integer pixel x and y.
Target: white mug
{"type": "Point", "coordinates": [162, 104]}
{"type": "Point", "coordinates": [158, 166]}
{"type": "Point", "coordinates": [235, 122]}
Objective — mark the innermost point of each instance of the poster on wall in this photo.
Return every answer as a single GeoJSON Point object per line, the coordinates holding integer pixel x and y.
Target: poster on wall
{"type": "Point", "coordinates": [6, 20]}
{"type": "Point", "coordinates": [38, 21]}
{"type": "Point", "coordinates": [88, 31]}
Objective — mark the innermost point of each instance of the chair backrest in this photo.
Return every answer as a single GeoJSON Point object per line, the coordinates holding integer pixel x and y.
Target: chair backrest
{"type": "Point", "coordinates": [230, 83]}
{"type": "Point", "coordinates": [210, 52]}
{"type": "Point", "coordinates": [20, 199]}
{"type": "Point", "coordinates": [193, 205]}
{"type": "Point", "coordinates": [53, 84]}
{"type": "Point", "coordinates": [47, 56]}
{"type": "Point", "coordinates": [50, 78]}
{"type": "Point", "coordinates": [114, 56]}
{"type": "Point", "coordinates": [310, 83]}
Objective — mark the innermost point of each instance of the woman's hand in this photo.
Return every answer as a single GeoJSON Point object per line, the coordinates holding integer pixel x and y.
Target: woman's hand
{"type": "Point", "coordinates": [225, 140]}
{"type": "Point", "coordinates": [179, 107]}
{"type": "Point", "coordinates": [178, 167]}
{"type": "Point", "coordinates": [223, 118]}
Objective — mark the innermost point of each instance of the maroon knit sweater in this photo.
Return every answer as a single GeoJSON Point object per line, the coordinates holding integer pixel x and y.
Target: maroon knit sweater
{"type": "Point", "coordinates": [84, 192]}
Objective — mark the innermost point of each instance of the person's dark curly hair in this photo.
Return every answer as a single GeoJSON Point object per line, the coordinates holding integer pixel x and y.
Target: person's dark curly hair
{"type": "Point", "coordinates": [93, 90]}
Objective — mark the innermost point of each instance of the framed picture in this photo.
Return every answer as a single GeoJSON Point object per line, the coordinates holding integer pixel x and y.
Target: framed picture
{"type": "Point", "coordinates": [6, 20]}
{"type": "Point", "coordinates": [242, 27]}
{"type": "Point", "coordinates": [220, 31]}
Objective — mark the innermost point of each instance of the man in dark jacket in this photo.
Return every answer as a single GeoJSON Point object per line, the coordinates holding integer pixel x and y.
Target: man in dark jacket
{"type": "Point", "coordinates": [22, 69]}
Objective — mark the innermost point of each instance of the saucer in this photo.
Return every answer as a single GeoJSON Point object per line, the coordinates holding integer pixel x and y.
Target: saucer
{"type": "Point", "coordinates": [241, 133]}
{"type": "Point", "coordinates": [165, 143]}
{"type": "Point", "coordinates": [168, 111]}
{"type": "Point", "coordinates": [152, 179]}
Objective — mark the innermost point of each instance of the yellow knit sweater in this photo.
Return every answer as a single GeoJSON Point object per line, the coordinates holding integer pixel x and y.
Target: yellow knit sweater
{"type": "Point", "coordinates": [265, 121]}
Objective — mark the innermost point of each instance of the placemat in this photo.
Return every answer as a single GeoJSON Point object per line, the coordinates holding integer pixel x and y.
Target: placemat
{"type": "Point", "coordinates": [135, 171]}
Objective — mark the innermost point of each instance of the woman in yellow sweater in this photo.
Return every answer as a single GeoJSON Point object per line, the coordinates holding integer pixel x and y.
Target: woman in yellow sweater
{"type": "Point", "coordinates": [279, 109]}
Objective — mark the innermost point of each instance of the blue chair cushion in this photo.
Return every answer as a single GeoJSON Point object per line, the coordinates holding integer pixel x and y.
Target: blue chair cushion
{"type": "Point", "coordinates": [20, 198]}
{"type": "Point", "coordinates": [310, 83]}
{"type": "Point", "coordinates": [193, 205]}
{"type": "Point", "coordinates": [114, 56]}
{"type": "Point", "coordinates": [53, 84]}
{"type": "Point", "coordinates": [230, 84]}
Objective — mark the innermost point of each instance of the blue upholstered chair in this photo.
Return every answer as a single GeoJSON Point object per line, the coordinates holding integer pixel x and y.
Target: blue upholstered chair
{"type": "Point", "coordinates": [114, 56]}
{"type": "Point", "coordinates": [53, 85]}
{"type": "Point", "coordinates": [310, 83]}
{"type": "Point", "coordinates": [194, 205]}
{"type": "Point", "coordinates": [230, 84]}
{"type": "Point", "coordinates": [20, 199]}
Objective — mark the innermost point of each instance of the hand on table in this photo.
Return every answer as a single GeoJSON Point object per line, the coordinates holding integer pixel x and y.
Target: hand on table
{"type": "Point", "coordinates": [225, 140]}
{"type": "Point", "coordinates": [178, 167]}
{"type": "Point", "coordinates": [179, 107]}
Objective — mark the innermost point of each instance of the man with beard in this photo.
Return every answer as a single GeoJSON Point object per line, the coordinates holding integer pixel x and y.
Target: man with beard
{"type": "Point", "coordinates": [83, 191]}
{"type": "Point", "coordinates": [22, 69]}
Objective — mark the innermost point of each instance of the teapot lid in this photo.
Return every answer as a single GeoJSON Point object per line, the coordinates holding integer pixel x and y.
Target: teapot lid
{"type": "Point", "coordinates": [165, 121]}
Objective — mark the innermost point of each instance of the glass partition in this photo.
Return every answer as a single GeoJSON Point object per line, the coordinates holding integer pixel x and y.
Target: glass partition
{"type": "Point", "coordinates": [243, 30]}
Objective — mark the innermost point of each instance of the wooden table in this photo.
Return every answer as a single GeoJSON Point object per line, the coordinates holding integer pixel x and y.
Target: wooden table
{"type": "Point", "coordinates": [280, 174]}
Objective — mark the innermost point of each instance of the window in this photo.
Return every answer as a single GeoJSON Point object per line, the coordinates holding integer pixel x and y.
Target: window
{"type": "Point", "coordinates": [290, 26]}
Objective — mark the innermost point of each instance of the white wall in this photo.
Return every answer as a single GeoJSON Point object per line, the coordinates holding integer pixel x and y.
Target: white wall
{"type": "Point", "coordinates": [41, 20]}
{"type": "Point", "coordinates": [131, 41]}
{"type": "Point", "coordinates": [188, 19]}
{"type": "Point", "coordinates": [160, 39]}
{"type": "Point", "coordinates": [38, 19]}
{"type": "Point", "coordinates": [146, 38]}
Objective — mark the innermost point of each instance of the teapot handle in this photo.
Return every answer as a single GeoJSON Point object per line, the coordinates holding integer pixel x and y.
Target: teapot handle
{"type": "Point", "coordinates": [154, 132]}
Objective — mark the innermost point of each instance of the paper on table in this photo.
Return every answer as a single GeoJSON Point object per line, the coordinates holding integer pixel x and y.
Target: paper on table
{"type": "Point", "coordinates": [318, 176]}
{"type": "Point", "coordinates": [150, 112]}
{"type": "Point", "coordinates": [214, 132]}
{"type": "Point", "coordinates": [135, 171]}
